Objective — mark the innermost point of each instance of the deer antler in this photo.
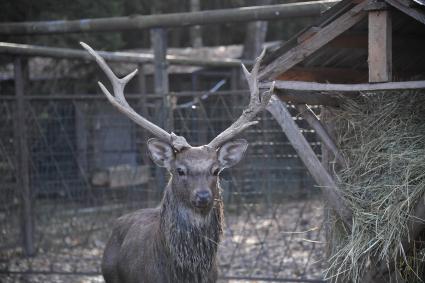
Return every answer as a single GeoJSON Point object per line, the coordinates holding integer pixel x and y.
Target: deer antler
{"type": "Point", "coordinates": [257, 103]}
{"type": "Point", "coordinates": [119, 101]}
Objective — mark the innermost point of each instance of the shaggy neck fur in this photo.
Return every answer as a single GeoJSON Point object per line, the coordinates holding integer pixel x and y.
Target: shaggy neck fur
{"type": "Point", "coordinates": [191, 239]}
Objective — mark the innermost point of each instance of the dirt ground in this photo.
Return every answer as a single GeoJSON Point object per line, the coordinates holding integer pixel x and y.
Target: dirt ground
{"type": "Point", "coordinates": [284, 240]}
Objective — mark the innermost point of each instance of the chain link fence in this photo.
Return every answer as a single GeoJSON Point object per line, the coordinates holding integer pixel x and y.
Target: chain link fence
{"type": "Point", "coordinates": [87, 165]}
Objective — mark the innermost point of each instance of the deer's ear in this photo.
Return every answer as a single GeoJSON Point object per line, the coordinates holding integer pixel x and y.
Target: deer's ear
{"type": "Point", "coordinates": [160, 152]}
{"type": "Point", "coordinates": [232, 152]}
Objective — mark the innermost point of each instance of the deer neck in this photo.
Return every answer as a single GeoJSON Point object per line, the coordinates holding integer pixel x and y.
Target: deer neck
{"type": "Point", "coordinates": [191, 239]}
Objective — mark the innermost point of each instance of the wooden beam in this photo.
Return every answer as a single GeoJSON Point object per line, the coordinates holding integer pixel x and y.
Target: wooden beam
{"type": "Point", "coordinates": [280, 112]}
{"type": "Point", "coordinates": [319, 87]}
{"type": "Point", "coordinates": [138, 22]}
{"type": "Point", "coordinates": [127, 57]}
{"type": "Point", "coordinates": [321, 132]}
{"type": "Point", "coordinates": [380, 46]}
{"type": "Point", "coordinates": [313, 43]}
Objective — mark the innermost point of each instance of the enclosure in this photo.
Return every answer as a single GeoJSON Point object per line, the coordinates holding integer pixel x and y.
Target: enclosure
{"type": "Point", "coordinates": [318, 185]}
{"type": "Point", "coordinates": [87, 168]}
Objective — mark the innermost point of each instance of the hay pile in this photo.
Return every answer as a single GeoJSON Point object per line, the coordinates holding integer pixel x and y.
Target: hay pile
{"type": "Point", "coordinates": [382, 136]}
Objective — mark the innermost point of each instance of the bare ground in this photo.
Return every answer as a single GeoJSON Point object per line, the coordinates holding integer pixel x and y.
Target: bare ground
{"type": "Point", "coordinates": [284, 240]}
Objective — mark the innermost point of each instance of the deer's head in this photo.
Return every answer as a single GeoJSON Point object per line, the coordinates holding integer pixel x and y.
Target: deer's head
{"type": "Point", "coordinates": [194, 170]}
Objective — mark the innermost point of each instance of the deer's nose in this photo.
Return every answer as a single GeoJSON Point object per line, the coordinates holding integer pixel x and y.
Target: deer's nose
{"type": "Point", "coordinates": [203, 198]}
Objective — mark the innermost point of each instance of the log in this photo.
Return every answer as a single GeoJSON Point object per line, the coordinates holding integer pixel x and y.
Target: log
{"type": "Point", "coordinates": [126, 57]}
{"type": "Point", "coordinates": [280, 112]}
{"type": "Point", "coordinates": [138, 22]}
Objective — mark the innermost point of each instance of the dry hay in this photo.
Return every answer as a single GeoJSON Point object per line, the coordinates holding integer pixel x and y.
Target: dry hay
{"type": "Point", "coordinates": [382, 137]}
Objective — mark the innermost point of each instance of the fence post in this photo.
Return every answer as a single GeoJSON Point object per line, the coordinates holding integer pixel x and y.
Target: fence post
{"type": "Point", "coordinates": [141, 134]}
{"type": "Point", "coordinates": [141, 79]}
{"type": "Point", "coordinates": [161, 86]}
{"type": "Point", "coordinates": [161, 83]}
{"type": "Point", "coordinates": [22, 158]}
{"type": "Point", "coordinates": [195, 32]}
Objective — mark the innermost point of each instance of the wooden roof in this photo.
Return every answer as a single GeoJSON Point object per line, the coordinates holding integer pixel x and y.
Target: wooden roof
{"type": "Point", "coordinates": [335, 48]}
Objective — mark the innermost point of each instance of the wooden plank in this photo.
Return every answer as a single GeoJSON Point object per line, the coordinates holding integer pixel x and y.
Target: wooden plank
{"type": "Point", "coordinates": [321, 132]}
{"type": "Point", "coordinates": [313, 43]}
{"type": "Point", "coordinates": [320, 87]}
{"type": "Point", "coordinates": [380, 46]}
{"type": "Point", "coordinates": [138, 22]}
{"type": "Point", "coordinates": [280, 112]}
{"type": "Point", "coordinates": [22, 152]}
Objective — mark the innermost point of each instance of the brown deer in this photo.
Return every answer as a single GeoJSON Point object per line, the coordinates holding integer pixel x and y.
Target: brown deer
{"type": "Point", "coordinates": [178, 240]}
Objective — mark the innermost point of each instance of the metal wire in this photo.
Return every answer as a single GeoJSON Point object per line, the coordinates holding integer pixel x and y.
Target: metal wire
{"type": "Point", "coordinates": [273, 213]}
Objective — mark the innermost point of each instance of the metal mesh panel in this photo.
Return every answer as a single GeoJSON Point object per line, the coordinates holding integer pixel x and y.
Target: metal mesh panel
{"type": "Point", "coordinates": [88, 165]}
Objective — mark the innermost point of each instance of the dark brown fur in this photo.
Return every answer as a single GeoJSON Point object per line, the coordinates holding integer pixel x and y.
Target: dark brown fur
{"type": "Point", "coordinates": [174, 242]}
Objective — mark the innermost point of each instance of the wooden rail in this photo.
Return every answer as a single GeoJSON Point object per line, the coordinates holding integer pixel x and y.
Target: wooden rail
{"type": "Point", "coordinates": [126, 57]}
{"type": "Point", "coordinates": [245, 14]}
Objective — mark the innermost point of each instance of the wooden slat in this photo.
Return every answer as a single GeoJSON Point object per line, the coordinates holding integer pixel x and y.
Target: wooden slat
{"type": "Point", "coordinates": [380, 46]}
{"type": "Point", "coordinates": [313, 43]}
{"type": "Point", "coordinates": [319, 87]}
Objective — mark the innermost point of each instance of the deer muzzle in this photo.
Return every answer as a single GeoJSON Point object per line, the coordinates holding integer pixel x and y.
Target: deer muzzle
{"type": "Point", "coordinates": [203, 199]}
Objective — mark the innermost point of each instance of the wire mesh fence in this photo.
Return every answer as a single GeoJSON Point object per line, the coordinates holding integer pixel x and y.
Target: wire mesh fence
{"type": "Point", "coordinates": [88, 165]}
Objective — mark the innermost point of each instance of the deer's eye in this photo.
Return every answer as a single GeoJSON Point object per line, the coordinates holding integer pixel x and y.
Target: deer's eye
{"type": "Point", "coordinates": [180, 171]}
{"type": "Point", "coordinates": [216, 171]}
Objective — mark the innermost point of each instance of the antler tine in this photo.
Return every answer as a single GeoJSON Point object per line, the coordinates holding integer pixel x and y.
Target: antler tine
{"type": "Point", "coordinates": [119, 101]}
{"type": "Point", "coordinates": [257, 103]}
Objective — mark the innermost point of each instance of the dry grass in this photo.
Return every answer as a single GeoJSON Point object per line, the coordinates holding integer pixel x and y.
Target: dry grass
{"type": "Point", "coordinates": [382, 136]}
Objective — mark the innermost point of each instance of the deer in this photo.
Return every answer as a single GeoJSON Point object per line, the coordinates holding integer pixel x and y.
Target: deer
{"type": "Point", "coordinates": [178, 240]}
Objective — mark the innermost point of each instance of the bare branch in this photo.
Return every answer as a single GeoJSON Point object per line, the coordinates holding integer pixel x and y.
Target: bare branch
{"type": "Point", "coordinates": [257, 103]}
{"type": "Point", "coordinates": [119, 101]}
